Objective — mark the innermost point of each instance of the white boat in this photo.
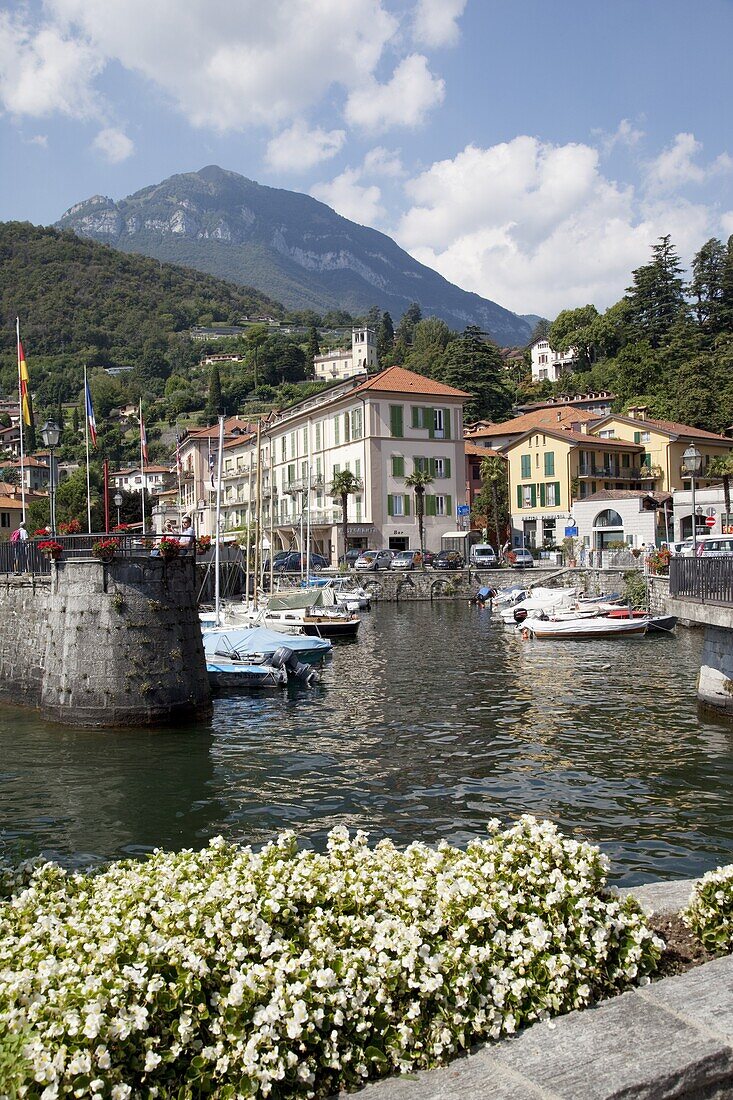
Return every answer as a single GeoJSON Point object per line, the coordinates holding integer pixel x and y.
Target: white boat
{"type": "Point", "coordinates": [540, 601]}
{"type": "Point", "coordinates": [314, 611]}
{"type": "Point", "coordinates": [254, 658]}
{"type": "Point", "coordinates": [258, 643]}
{"type": "Point", "coordinates": [599, 627]}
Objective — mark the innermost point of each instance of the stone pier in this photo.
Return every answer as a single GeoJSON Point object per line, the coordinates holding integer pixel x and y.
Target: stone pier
{"type": "Point", "coordinates": [96, 644]}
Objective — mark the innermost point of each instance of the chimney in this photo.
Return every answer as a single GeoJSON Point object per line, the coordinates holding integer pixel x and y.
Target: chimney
{"type": "Point", "coordinates": [559, 417]}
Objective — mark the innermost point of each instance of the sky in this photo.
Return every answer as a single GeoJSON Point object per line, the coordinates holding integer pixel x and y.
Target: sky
{"type": "Point", "coordinates": [530, 151]}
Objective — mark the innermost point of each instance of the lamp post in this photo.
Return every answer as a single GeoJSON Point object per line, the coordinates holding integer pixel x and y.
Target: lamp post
{"type": "Point", "coordinates": [50, 434]}
{"type": "Point", "coordinates": [692, 462]}
{"type": "Point", "coordinates": [117, 500]}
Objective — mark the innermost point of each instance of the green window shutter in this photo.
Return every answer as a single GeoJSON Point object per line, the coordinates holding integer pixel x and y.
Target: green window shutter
{"type": "Point", "coordinates": [418, 464]}
{"type": "Point", "coordinates": [449, 506]}
{"type": "Point", "coordinates": [415, 416]}
{"type": "Point", "coordinates": [637, 437]}
{"type": "Point", "coordinates": [446, 423]}
{"type": "Point", "coordinates": [542, 494]}
{"type": "Point", "coordinates": [336, 437]}
{"type": "Point", "coordinates": [526, 465]}
{"type": "Point", "coordinates": [398, 466]}
{"type": "Point", "coordinates": [549, 463]}
{"type": "Point", "coordinates": [407, 504]}
{"type": "Point", "coordinates": [390, 505]}
{"type": "Point", "coordinates": [431, 467]}
{"type": "Point", "coordinates": [396, 421]}
{"type": "Point", "coordinates": [429, 504]}
{"type": "Point", "coordinates": [430, 421]}
{"type": "Point", "coordinates": [446, 466]}
{"type": "Point", "coordinates": [519, 496]}
{"type": "Point", "coordinates": [557, 494]}
{"type": "Point", "coordinates": [533, 495]}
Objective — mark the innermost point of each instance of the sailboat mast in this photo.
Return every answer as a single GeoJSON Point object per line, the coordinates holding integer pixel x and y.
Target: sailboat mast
{"type": "Point", "coordinates": [258, 510]}
{"type": "Point", "coordinates": [217, 549]}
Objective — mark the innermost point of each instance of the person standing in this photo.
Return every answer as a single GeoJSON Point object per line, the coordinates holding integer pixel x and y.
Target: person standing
{"type": "Point", "coordinates": [19, 539]}
{"type": "Point", "coordinates": [188, 535]}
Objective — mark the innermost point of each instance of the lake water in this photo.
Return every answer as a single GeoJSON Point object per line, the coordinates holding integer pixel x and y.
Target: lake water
{"type": "Point", "coordinates": [434, 721]}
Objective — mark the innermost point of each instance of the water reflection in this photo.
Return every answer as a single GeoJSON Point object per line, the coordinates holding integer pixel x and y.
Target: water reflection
{"type": "Point", "coordinates": [436, 720]}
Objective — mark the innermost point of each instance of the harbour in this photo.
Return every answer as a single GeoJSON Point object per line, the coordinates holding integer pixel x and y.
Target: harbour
{"type": "Point", "coordinates": [435, 721]}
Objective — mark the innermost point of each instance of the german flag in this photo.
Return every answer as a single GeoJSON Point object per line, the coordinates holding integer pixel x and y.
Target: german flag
{"type": "Point", "coordinates": [24, 382]}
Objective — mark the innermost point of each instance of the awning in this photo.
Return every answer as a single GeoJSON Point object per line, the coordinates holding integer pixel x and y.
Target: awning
{"type": "Point", "coordinates": [454, 535]}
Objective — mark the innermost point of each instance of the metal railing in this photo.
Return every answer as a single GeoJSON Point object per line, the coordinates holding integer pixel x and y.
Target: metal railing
{"type": "Point", "coordinates": [618, 473]}
{"type": "Point", "coordinates": [27, 557]}
{"type": "Point", "coordinates": [709, 580]}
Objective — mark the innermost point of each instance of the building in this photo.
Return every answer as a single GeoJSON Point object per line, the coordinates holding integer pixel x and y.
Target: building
{"type": "Point", "coordinates": [663, 442]}
{"type": "Point", "coordinates": [11, 513]}
{"type": "Point", "coordinates": [549, 365]}
{"type": "Point", "coordinates": [549, 467]}
{"type": "Point", "coordinates": [35, 475]}
{"type": "Point", "coordinates": [217, 332]}
{"type": "Point", "coordinates": [343, 363]}
{"type": "Point", "coordinates": [485, 434]}
{"type": "Point", "coordinates": [380, 428]}
{"type": "Point", "coordinates": [10, 440]}
{"type": "Point", "coordinates": [612, 518]}
{"type": "Point", "coordinates": [156, 479]}
{"type": "Point", "coordinates": [599, 404]}
{"type": "Point", "coordinates": [709, 504]}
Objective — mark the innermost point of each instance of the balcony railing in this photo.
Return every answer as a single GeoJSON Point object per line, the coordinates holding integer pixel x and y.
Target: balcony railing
{"type": "Point", "coordinates": [25, 557]}
{"type": "Point", "coordinates": [618, 473]}
{"type": "Point", "coordinates": [303, 484]}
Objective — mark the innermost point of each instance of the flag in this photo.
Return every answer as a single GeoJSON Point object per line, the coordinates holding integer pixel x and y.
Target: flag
{"type": "Point", "coordinates": [25, 398]}
{"type": "Point", "coordinates": [143, 436]}
{"type": "Point", "coordinates": [179, 464]}
{"type": "Point", "coordinates": [90, 415]}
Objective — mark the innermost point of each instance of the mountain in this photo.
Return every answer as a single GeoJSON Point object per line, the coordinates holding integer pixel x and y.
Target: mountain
{"type": "Point", "coordinates": [288, 245]}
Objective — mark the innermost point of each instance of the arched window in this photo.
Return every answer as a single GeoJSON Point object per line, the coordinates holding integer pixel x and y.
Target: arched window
{"type": "Point", "coordinates": [608, 518]}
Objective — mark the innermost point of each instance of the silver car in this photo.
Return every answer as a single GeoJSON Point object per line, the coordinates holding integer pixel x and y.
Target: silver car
{"type": "Point", "coordinates": [374, 560]}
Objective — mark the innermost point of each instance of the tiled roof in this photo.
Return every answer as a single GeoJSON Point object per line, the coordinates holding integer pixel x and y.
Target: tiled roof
{"type": "Point", "coordinates": [400, 380]}
{"type": "Point", "coordinates": [230, 424]}
{"type": "Point", "coordinates": [624, 494]}
{"type": "Point", "coordinates": [11, 502]}
{"type": "Point", "coordinates": [671, 426]}
{"type": "Point", "coordinates": [482, 452]}
{"type": "Point", "coordinates": [578, 438]}
{"type": "Point", "coordinates": [520, 424]}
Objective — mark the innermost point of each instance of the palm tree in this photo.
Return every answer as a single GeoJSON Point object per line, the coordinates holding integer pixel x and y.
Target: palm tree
{"type": "Point", "coordinates": [419, 481]}
{"type": "Point", "coordinates": [722, 466]}
{"type": "Point", "coordinates": [344, 485]}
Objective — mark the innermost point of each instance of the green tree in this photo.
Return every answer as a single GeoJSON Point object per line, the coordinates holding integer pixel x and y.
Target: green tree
{"type": "Point", "coordinates": [214, 405]}
{"type": "Point", "coordinates": [656, 299]}
{"type": "Point", "coordinates": [725, 308]}
{"type": "Point", "coordinates": [385, 339]}
{"type": "Point", "coordinates": [314, 347]}
{"type": "Point", "coordinates": [418, 481]}
{"type": "Point", "coordinates": [430, 338]}
{"type": "Point", "coordinates": [706, 285]}
{"type": "Point", "coordinates": [344, 485]}
{"type": "Point", "coordinates": [472, 365]}
{"type": "Point", "coordinates": [576, 328]}
{"type": "Point", "coordinates": [410, 318]}
{"type": "Point", "coordinates": [722, 467]}
{"type": "Point", "coordinates": [491, 507]}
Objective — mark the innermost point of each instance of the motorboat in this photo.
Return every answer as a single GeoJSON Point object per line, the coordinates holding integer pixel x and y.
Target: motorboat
{"type": "Point", "coordinates": [233, 662]}
{"type": "Point", "coordinates": [538, 602]}
{"type": "Point", "coordinates": [349, 595]}
{"type": "Point", "coordinates": [314, 611]}
{"type": "Point", "coordinates": [661, 624]}
{"type": "Point", "coordinates": [597, 627]}
{"type": "Point", "coordinates": [257, 642]}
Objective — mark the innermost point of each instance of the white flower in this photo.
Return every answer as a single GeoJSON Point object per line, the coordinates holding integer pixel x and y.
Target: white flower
{"type": "Point", "coordinates": [151, 1060]}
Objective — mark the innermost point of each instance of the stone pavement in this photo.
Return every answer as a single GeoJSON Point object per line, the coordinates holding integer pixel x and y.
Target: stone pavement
{"type": "Point", "coordinates": [670, 1039]}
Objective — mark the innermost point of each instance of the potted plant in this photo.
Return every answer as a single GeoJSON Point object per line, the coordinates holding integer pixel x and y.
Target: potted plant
{"type": "Point", "coordinates": [105, 549]}
{"type": "Point", "coordinates": [169, 548]}
{"type": "Point", "coordinates": [52, 548]}
{"type": "Point", "coordinates": [73, 527]}
{"type": "Point", "coordinates": [203, 543]}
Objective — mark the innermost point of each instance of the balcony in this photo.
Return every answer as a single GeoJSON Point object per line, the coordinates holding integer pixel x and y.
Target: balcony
{"type": "Point", "coordinates": [616, 473]}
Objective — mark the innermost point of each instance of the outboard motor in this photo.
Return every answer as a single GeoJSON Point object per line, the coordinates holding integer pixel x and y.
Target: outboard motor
{"type": "Point", "coordinates": [295, 669]}
{"type": "Point", "coordinates": [520, 614]}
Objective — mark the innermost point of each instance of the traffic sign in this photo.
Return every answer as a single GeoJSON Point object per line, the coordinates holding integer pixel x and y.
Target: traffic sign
{"type": "Point", "coordinates": [571, 532]}
{"type": "Point", "coordinates": [710, 522]}
{"type": "Point", "coordinates": [462, 510]}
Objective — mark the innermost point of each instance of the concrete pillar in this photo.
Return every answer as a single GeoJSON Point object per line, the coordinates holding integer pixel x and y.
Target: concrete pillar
{"type": "Point", "coordinates": [122, 644]}
{"type": "Point", "coordinates": [715, 679]}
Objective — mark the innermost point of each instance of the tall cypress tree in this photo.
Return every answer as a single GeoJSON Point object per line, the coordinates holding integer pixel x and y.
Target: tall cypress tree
{"type": "Point", "coordinates": [314, 346]}
{"type": "Point", "coordinates": [214, 404]}
{"type": "Point", "coordinates": [385, 339]}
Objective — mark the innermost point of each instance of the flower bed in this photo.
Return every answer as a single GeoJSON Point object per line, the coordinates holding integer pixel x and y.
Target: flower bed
{"type": "Point", "coordinates": [710, 912]}
{"type": "Point", "coordinates": [294, 973]}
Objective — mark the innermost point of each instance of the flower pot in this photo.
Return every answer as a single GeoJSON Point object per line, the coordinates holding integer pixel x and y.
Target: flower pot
{"type": "Point", "coordinates": [168, 555]}
{"type": "Point", "coordinates": [106, 557]}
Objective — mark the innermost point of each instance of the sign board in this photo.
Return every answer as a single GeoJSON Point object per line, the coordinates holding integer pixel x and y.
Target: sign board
{"type": "Point", "coordinates": [710, 521]}
{"type": "Point", "coordinates": [462, 510]}
{"type": "Point", "coordinates": [571, 532]}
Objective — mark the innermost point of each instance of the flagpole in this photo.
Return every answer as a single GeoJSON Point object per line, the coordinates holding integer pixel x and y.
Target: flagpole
{"type": "Point", "coordinates": [86, 441]}
{"type": "Point", "coordinates": [142, 462]}
{"type": "Point", "coordinates": [20, 421]}
{"type": "Point", "coordinates": [217, 549]}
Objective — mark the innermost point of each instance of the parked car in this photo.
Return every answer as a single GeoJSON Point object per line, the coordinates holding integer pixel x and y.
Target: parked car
{"type": "Point", "coordinates": [428, 557]}
{"type": "Point", "coordinates": [448, 559]}
{"type": "Point", "coordinates": [711, 546]}
{"type": "Point", "coordinates": [677, 548]}
{"type": "Point", "coordinates": [291, 563]}
{"type": "Point", "coordinates": [407, 559]}
{"type": "Point", "coordinates": [351, 557]}
{"type": "Point", "coordinates": [520, 558]}
{"type": "Point", "coordinates": [374, 560]}
{"type": "Point", "coordinates": [484, 555]}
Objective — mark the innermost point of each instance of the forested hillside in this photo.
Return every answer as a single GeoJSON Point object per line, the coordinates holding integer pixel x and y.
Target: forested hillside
{"type": "Point", "coordinates": [667, 344]}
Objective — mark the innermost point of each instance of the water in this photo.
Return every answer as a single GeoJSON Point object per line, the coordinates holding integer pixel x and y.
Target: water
{"type": "Point", "coordinates": [434, 721]}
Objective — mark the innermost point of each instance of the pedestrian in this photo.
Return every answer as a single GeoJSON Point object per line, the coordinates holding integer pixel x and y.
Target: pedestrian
{"type": "Point", "coordinates": [19, 539]}
{"type": "Point", "coordinates": [188, 535]}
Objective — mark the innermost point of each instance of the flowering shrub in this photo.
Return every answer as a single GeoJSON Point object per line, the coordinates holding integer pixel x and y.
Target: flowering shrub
{"type": "Point", "coordinates": [230, 972]}
{"type": "Point", "coordinates": [105, 548]}
{"type": "Point", "coordinates": [658, 561]}
{"type": "Point", "coordinates": [203, 543]}
{"type": "Point", "coordinates": [50, 546]}
{"type": "Point", "coordinates": [121, 527]}
{"type": "Point", "coordinates": [168, 547]}
{"type": "Point", "coordinates": [710, 912]}
{"type": "Point", "coordinates": [73, 527]}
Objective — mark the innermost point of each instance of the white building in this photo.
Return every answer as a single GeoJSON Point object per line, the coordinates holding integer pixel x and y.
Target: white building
{"type": "Point", "coordinates": [343, 363]}
{"type": "Point", "coordinates": [549, 365]}
{"type": "Point", "coordinates": [608, 519]}
{"type": "Point", "coordinates": [709, 504]}
{"type": "Point", "coordinates": [156, 479]}
{"type": "Point", "coordinates": [381, 429]}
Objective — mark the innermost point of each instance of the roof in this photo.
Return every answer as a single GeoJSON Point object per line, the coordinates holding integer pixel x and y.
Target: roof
{"type": "Point", "coordinates": [232, 423]}
{"type": "Point", "coordinates": [672, 427]}
{"type": "Point", "coordinates": [30, 461]}
{"type": "Point", "coordinates": [576, 438]}
{"type": "Point", "coordinates": [400, 380]}
{"type": "Point", "coordinates": [137, 470]}
{"type": "Point", "coordinates": [624, 494]}
{"type": "Point", "coordinates": [11, 502]}
{"type": "Point", "coordinates": [482, 452]}
{"type": "Point", "coordinates": [521, 424]}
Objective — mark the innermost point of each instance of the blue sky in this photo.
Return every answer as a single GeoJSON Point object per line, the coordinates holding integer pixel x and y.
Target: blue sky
{"type": "Point", "coordinates": [530, 151]}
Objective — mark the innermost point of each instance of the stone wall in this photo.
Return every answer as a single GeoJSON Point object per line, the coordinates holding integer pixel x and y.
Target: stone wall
{"type": "Point", "coordinates": [715, 679]}
{"type": "Point", "coordinates": [105, 645]}
{"type": "Point", "coordinates": [430, 584]}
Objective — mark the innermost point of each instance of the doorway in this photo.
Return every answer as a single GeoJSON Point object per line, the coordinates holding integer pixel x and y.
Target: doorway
{"type": "Point", "coordinates": [400, 542]}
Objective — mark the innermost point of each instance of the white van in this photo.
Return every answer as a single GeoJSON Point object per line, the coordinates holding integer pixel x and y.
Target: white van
{"type": "Point", "coordinates": [711, 546]}
{"type": "Point", "coordinates": [484, 556]}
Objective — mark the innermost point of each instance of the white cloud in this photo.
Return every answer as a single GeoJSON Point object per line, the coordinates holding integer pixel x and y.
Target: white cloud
{"type": "Point", "coordinates": [435, 22]}
{"type": "Point", "coordinates": [44, 71]}
{"type": "Point", "coordinates": [726, 222]}
{"type": "Point", "coordinates": [539, 227]}
{"type": "Point", "coordinates": [298, 148]}
{"type": "Point", "coordinates": [38, 139]}
{"type": "Point", "coordinates": [402, 101]}
{"type": "Point", "coordinates": [229, 64]}
{"type": "Point", "coordinates": [114, 145]}
{"type": "Point", "coordinates": [382, 162]}
{"type": "Point", "coordinates": [677, 165]}
{"type": "Point", "coordinates": [350, 198]}
{"type": "Point", "coordinates": [625, 134]}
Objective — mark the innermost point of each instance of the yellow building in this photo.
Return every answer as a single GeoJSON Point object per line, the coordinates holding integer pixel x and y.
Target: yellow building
{"type": "Point", "coordinates": [549, 468]}
{"type": "Point", "coordinates": [663, 442]}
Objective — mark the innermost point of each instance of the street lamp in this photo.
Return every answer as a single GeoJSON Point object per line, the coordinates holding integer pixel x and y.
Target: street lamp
{"type": "Point", "coordinates": [117, 501]}
{"type": "Point", "coordinates": [692, 462]}
{"type": "Point", "coordinates": [50, 434]}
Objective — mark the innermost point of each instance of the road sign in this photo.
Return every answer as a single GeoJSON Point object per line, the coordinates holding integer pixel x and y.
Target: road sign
{"type": "Point", "coordinates": [571, 532]}
{"type": "Point", "coordinates": [710, 521]}
{"type": "Point", "coordinates": [462, 510]}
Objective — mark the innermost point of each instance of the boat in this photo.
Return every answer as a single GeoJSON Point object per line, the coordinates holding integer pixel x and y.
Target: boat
{"type": "Point", "coordinates": [540, 601]}
{"type": "Point", "coordinates": [314, 611]}
{"type": "Point", "coordinates": [352, 597]}
{"type": "Point", "coordinates": [232, 661]}
{"type": "Point", "coordinates": [598, 627]}
{"type": "Point", "coordinates": [258, 642]}
{"type": "Point", "coordinates": [661, 624]}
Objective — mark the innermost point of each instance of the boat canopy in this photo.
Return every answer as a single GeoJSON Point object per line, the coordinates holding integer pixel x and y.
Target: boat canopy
{"type": "Point", "coordinates": [302, 598]}
{"type": "Point", "coordinates": [258, 639]}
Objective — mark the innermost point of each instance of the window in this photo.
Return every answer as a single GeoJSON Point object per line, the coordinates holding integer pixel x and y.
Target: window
{"type": "Point", "coordinates": [347, 428]}
{"type": "Point", "coordinates": [284, 448]}
{"type": "Point", "coordinates": [318, 436]}
{"type": "Point", "coordinates": [441, 467]}
{"type": "Point", "coordinates": [549, 463]}
{"type": "Point", "coordinates": [439, 424]}
{"type": "Point", "coordinates": [552, 495]}
{"type": "Point", "coordinates": [291, 473]}
{"type": "Point", "coordinates": [336, 468]}
{"type": "Point", "coordinates": [305, 441]}
{"type": "Point", "coordinates": [336, 433]}
{"type": "Point", "coordinates": [357, 468]}
{"type": "Point", "coordinates": [420, 465]}
{"type": "Point", "coordinates": [607, 433]}
{"type": "Point", "coordinates": [396, 422]}
{"type": "Point", "coordinates": [398, 466]}
{"type": "Point", "coordinates": [398, 505]}
{"type": "Point", "coordinates": [357, 504]}
{"type": "Point", "coordinates": [440, 505]}
{"type": "Point", "coordinates": [293, 445]}
{"type": "Point", "coordinates": [4, 519]}
{"type": "Point", "coordinates": [357, 423]}
{"type": "Point", "coordinates": [526, 465]}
